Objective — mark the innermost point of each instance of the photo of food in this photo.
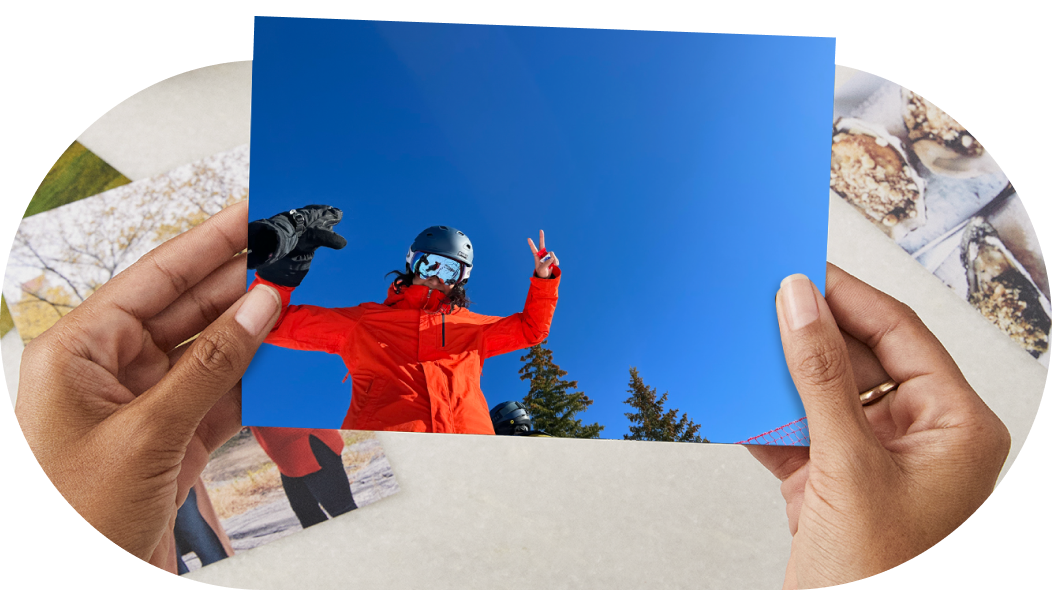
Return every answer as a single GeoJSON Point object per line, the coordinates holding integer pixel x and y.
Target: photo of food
{"type": "Point", "coordinates": [1000, 289]}
{"type": "Point", "coordinates": [939, 141]}
{"type": "Point", "coordinates": [944, 201]}
{"type": "Point", "coordinates": [871, 171]}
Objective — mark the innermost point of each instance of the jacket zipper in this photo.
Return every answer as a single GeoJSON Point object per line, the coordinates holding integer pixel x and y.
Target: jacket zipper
{"type": "Point", "coordinates": [428, 301]}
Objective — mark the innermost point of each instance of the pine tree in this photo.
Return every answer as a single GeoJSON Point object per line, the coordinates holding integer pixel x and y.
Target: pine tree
{"type": "Point", "coordinates": [651, 420]}
{"type": "Point", "coordinates": [553, 402]}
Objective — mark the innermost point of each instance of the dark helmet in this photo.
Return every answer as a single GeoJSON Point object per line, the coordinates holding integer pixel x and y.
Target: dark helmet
{"type": "Point", "coordinates": [445, 241]}
{"type": "Point", "coordinates": [511, 418]}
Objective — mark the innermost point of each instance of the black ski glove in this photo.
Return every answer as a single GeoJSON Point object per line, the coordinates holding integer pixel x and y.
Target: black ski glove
{"type": "Point", "coordinates": [281, 248]}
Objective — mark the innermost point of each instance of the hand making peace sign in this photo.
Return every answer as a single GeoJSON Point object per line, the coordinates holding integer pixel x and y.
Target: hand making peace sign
{"type": "Point", "coordinates": [543, 259]}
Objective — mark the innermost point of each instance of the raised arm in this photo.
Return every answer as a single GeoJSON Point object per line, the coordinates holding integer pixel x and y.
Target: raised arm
{"type": "Point", "coordinates": [531, 326]}
{"type": "Point", "coordinates": [528, 327]}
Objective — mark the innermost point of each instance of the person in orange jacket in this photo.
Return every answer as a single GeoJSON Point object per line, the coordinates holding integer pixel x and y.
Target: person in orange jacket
{"type": "Point", "coordinates": [416, 359]}
{"type": "Point", "coordinates": [311, 467]}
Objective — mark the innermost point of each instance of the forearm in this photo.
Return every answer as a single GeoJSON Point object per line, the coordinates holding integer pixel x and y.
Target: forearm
{"type": "Point", "coordinates": [539, 310]}
{"type": "Point", "coordinates": [528, 327]}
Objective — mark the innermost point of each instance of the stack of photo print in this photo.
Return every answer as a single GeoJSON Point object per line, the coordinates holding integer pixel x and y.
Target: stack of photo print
{"type": "Point", "coordinates": [932, 187]}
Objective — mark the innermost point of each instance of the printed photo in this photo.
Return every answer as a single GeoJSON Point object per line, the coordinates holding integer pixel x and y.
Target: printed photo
{"type": "Point", "coordinates": [268, 483]}
{"type": "Point", "coordinates": [62, 255]}
{"type": "Point", "coordinates": [76, 175]}
{"type": "Point", "coordinates": [518, 230]}
{"type": "Point", "coordinates": [932, 187]}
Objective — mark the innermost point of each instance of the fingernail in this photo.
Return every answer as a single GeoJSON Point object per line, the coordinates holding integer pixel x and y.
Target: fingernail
{"type": "Point", "coordinates": [798, 297]}
{"type": "Point", "coordinates": [259, 306]}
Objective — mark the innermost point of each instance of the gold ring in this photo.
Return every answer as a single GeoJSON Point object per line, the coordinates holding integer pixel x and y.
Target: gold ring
{"type": "Point", "coordinates": [874, 393]}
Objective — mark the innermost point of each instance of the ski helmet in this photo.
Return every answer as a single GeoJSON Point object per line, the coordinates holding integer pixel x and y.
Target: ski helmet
{"type": "Point", "coordinates": [445, 241]}
{"type": "Point", "coordinates": [510, 418]}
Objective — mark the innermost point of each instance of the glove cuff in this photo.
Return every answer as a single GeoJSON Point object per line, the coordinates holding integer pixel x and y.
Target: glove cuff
{"type": "Point", "coordinates": [288, 271]}
{"type": "Point", "coordinates": [270, 240]}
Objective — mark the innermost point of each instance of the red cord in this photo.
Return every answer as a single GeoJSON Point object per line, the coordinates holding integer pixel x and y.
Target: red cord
{"type": "Point", "coordinates": [542, 253]}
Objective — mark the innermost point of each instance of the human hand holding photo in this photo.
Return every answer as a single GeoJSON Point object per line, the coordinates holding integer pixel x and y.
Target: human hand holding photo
{"type": "Point", "coordinates": [880, 483]}
{"type": "Point", "coordinates": [122, 416]}
{"type": "Point", "coordinates": [120, 411]}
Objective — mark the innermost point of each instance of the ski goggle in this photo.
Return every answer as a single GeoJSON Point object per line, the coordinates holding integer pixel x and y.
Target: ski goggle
{"type": "Point", "coordinates": [427, 265]}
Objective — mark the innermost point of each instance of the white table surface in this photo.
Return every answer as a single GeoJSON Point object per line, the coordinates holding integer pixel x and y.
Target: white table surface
{"type": "Point", "coordinates": [485, 512]}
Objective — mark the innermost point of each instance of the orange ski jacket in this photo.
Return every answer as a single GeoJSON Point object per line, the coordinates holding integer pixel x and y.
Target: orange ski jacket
{"type": "Point", "coordinates": [290, 450]}
{"type": "Point", "coordinates": [415, 365]}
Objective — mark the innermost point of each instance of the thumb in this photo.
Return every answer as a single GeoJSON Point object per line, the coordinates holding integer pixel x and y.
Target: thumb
{"type": "Point", "coordinates": [821, 368]}
{"type": "Point", "coordinates": [211, 366]}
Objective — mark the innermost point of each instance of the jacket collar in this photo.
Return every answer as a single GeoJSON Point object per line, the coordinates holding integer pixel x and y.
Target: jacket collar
{"type": "Point", "coordinates": [416, 297]}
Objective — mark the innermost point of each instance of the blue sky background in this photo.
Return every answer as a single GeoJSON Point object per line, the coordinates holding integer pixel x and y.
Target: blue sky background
{"type": "Point", "coordinates": [678, 176]}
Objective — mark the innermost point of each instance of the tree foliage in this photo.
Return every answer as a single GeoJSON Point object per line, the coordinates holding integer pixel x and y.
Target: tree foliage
{"type": "Point", "coordinates": [650, 421]}
{"type": "Point", "coordinates": [40, 308]}
{"type": "Point", "coordinates": [554, 403]}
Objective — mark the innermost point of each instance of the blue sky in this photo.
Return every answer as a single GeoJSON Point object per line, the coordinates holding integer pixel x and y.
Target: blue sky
{"type": "Point", "coordinates": [678, 176]}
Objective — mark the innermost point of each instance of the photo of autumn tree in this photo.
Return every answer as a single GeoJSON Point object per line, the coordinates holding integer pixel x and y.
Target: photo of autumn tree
{"type": "Point", "coordinates": [62, 256]}
{"type": "Point", "coordinates": [77, 174]}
